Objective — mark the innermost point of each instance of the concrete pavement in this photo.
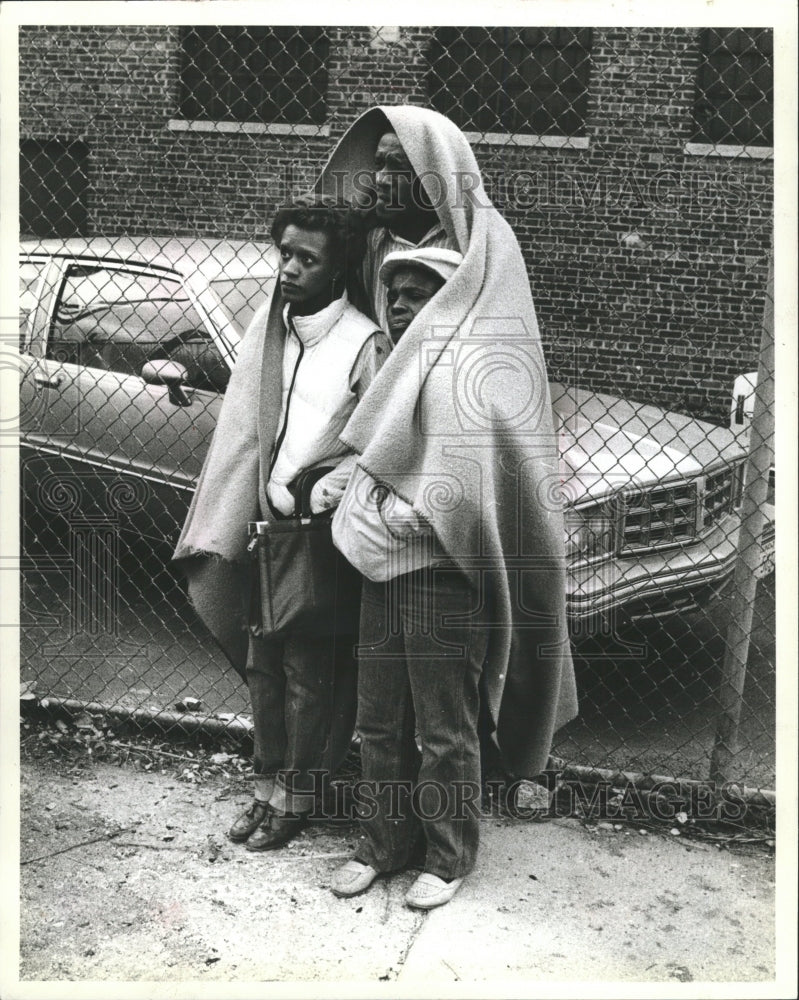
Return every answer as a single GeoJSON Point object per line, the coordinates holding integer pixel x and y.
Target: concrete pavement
{"type": "Point", "coordinates": [127, 876]}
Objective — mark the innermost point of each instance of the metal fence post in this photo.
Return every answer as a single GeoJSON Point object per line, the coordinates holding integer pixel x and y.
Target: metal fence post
{"type": "Point", "coordinates": [761, 458]}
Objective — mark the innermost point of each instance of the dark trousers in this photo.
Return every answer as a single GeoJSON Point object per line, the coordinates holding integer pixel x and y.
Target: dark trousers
{"type": "Point", "coordinates": [302, 691]}
{"type": "Point", "coordinates": [419, 671]}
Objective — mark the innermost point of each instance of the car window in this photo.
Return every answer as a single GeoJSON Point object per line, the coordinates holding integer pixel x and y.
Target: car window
{"type": "Point", "coordinates": [116, 319]}
{"type": "Point", "coordinates": [30, 273]}
{"type": "Point", "coordinates": [241, 297]}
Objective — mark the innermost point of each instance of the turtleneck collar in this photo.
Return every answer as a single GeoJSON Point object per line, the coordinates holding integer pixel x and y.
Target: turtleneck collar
{"type": "Point", "coordinates": [311, 329]}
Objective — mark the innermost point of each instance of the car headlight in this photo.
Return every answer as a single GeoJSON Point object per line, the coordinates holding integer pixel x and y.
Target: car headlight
{"type": "Point", "coordinates": [590, 533]}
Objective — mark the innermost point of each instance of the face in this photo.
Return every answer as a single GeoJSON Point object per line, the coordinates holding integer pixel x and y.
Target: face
{"type": "Point", "coordinates": [307, 270]}
{"type": "Point", "coordinates": [393, 178]}
{"type": "Point", "coordinates": [409, 292]}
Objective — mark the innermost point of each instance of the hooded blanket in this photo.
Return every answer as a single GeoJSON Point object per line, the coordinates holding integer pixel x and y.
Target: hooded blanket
{"type": "Point", "coordinates": [458, 423]}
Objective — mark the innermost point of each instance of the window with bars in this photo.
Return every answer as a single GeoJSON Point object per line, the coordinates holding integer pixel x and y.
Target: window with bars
{"type": "Point", "coordinates": [518, 80]}
{"type": "Point", "coordinates": [735, 88]}
{"type": "Point", "coordinates": [254, 74]}
{"type": "Point", "coordinates": [54, 187]}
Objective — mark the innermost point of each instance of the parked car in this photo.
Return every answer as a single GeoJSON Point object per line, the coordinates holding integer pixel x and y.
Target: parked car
{"type": "Point", "coordinates": [127, 348]}
{"type": "Point", "coordinates": [653, 500]}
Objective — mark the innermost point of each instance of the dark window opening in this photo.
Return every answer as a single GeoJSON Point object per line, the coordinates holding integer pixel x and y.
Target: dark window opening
{"type": "Point", "coordinates": [254, 74]}
{"type": "Point", "coordinates": [117, 320]}
{"type": "Point", "coordinates": [735, 87]}
{"type": "Point", "coordinates": [522, 80]}
{"type": "Point", "coordinates": [53, 183]}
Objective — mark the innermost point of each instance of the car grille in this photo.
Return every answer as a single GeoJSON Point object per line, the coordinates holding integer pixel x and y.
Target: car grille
{"type": "Point", "coordinates": [661, 516]}
{"type": "Point", "coordinates": [669, 515]}
{"type": "Point", "coordinates": [722, 494]}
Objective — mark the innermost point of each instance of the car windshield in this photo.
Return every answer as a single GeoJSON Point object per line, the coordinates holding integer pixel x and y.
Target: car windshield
{"type": "Point", "coordinates": [87, 288]}
{"type": "Point", "coordinates": [241, 297]}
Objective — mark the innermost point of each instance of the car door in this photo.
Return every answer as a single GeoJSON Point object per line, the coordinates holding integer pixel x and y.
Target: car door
{"type": "Point", "coordinates": [33, 270]}
{"type": "Point", "coordinates": [117, 442]}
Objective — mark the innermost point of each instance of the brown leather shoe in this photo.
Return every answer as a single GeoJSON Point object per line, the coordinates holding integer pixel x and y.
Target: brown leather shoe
{"type": "Point", "coordinates": [276, 830]}
{"type": "Point", "coordinates": [248, 822]}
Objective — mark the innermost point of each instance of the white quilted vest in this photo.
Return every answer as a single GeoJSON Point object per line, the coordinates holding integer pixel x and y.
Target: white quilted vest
{"type": "Point", "coordinates": [318, 358]}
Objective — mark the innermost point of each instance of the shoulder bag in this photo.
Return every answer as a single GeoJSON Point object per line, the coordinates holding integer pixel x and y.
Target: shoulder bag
{"type": "Point", "coordinates": [301, 582]}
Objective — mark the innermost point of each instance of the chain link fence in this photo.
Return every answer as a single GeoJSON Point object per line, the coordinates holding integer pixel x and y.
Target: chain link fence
{"type": "Point", "coordinates": [634, 166]}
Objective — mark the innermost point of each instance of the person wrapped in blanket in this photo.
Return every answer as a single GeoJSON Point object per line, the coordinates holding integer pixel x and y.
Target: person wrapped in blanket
{"type": "Point", "coordinates": [452, 514]}
{"type": "Point", "coordinates": [306, 359]}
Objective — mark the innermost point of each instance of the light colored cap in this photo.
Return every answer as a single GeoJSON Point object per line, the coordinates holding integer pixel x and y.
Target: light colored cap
{"type": "Point", "coordinates": [436, 259]}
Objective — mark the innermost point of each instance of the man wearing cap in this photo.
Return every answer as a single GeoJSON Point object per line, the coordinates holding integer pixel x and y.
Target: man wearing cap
{"type": "Point", "coordinates": [412, 676]}
{"type": "Point", "coordinates": [411, 278]}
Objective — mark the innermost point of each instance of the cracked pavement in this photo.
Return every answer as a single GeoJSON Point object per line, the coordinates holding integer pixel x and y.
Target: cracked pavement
{"type": "Point", "coordinates": [127, 875]}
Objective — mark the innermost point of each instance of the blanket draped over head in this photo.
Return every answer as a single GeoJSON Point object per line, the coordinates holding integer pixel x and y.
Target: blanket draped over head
{"type": "Point", "coordinates": [458, 423]}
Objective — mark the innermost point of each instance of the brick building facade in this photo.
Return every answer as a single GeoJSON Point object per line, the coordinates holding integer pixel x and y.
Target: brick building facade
{"type": "Point", "coordinates": [646, 250]}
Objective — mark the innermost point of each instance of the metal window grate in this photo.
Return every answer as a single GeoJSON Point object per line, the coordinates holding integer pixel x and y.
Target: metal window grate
{"type": "Point", "coordinates": [519, 80]}
{"type": "Point", "coordinates": [254, 74]}
{"type": "Point", "coordinates": [735, 87]}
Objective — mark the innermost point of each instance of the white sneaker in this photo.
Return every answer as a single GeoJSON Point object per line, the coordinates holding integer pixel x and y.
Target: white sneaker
{"type": "Point", "coordinates": [352, 878]}
{"type": "Point", "coordinates": [429, 891]}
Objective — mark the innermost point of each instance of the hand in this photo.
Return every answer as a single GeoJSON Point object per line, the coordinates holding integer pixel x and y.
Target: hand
{"type": "Point", "coordinates": [324, 496]}
{"type": "Point", "coordinates": [280, 497]}
{"type": "Point", "coordinates": [399, 517]}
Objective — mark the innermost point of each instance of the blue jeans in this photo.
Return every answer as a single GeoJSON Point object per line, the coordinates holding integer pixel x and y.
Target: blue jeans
{"type": "Point", "coordinates": [419, 671]}
{"type": "Point", "coordinates": [302, 691]}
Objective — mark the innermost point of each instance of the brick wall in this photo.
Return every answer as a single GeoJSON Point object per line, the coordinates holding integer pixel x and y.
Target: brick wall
{"type": "Point", "coordinates": [647, 265]}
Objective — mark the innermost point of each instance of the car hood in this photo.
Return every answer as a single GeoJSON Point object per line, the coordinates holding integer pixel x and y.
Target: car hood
{"type": "Point", "coordinates": [607, 444]}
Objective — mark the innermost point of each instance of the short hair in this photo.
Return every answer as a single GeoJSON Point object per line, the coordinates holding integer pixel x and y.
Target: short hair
{"type": "Point", "coordinates": [325, 214]}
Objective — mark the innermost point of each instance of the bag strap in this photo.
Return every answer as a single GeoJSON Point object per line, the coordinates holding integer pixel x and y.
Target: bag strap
{"type": "Point", "coordinates": [305, 483]}
{"type": "Point", "coordinates": [282, 434]}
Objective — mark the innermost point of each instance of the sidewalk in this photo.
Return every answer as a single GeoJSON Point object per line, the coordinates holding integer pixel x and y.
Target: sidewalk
{"type": "Point", "coordinates": [147, 888]}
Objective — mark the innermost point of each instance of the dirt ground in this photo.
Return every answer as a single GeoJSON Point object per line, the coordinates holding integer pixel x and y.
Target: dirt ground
{"type": "Point", "coordinates": [126, 875]}
{"type": "Point", "coordinates": [648, 706]}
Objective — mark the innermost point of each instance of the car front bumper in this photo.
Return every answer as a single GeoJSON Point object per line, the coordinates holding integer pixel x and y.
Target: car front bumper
{"type": "Point", "coordinates": [667, 581]}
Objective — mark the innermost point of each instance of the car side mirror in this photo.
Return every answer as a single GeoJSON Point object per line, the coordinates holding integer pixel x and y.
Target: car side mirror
{"type": "Point", "coordinates": [172, 374]}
